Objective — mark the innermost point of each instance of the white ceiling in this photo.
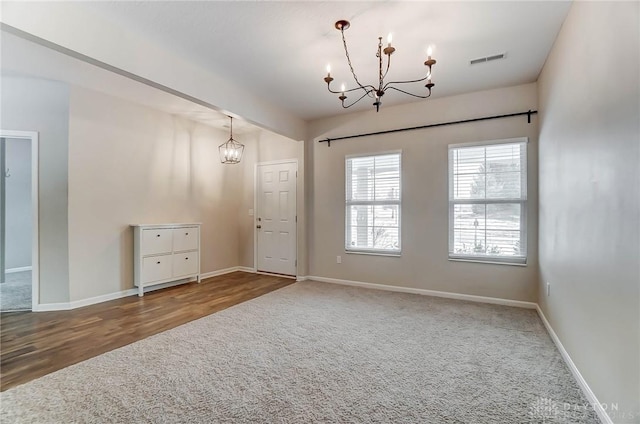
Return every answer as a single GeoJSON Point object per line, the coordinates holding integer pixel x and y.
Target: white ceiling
{"type": "Point", "coordinates": [23, 58]}
{"type": "Point", "coordinates": [280, 49]}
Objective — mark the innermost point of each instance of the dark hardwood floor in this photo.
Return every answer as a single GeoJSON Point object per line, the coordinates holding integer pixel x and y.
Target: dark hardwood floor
{"type": "Point", "coordinates": [34, 344]}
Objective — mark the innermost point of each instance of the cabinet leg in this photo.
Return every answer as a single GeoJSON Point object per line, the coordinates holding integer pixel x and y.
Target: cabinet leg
{"type": "Point", "coordinates": [199, 279]}
{"type": "Point", "coordinates": [140, 291]}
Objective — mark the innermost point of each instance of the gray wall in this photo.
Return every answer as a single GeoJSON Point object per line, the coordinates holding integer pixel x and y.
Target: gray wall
{"type": "Point", "coordinates": [424, 262]}
{"type": "Point", "coordinates": [18, 204]}
{"type": "Point", "coordinates": [37, 105]}
{"type": "Point", "coordinates": [589, 198]}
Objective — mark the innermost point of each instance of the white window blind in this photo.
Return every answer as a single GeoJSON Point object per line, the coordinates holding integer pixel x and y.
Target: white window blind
{"type": "Point", "coordinates": [488, 201]}
{"type": "Point", "coordinates": [373, 203]}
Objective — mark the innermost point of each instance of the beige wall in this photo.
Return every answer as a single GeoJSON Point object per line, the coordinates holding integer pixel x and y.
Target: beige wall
{"type": "Point", "coordinates": [29, 104]}
{"type": "Point", "coordinates": [589, 191]}
{"type": "Point", "coordinates": [265, 146]}
{"type": "Point", "coordinates": [130, 164]}
{"type": "Point", "coordinates": [424, 262]}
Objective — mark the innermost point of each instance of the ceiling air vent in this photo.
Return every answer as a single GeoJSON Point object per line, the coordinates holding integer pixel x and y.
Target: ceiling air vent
{"type": "Point", "coordinates": [487, 58]}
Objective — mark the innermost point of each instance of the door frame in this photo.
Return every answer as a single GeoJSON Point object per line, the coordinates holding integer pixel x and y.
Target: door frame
{"type": "Point", "coordinates": [255, 208]}
{"type": "Point", "coordinates": [33, 138]}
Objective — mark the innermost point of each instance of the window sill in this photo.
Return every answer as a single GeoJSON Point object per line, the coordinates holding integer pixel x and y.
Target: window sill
{"type": "Point", "coordinates": [370, 253]}
{"type": "Point", "coordinates": [488, 261]}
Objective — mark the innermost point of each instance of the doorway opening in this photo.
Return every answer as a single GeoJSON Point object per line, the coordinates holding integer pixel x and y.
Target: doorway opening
{"type": "Point", "coordinates": [19, 276]}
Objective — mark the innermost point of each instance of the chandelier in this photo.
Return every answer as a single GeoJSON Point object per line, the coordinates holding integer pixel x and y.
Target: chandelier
{"type": "Point", "coordinates": [377, 91]}
{"type": "Point", "coordinates": [231, 151]}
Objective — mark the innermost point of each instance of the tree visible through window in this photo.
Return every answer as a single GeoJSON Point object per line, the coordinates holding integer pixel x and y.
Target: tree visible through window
{"type": "Point", "coordinates": [487, 201]}
{"type": "Point", "coordinates": [373, 203]}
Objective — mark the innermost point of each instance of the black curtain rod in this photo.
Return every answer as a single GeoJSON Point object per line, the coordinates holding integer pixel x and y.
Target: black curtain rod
{"type": "Point", "coordinates": [442, 124]}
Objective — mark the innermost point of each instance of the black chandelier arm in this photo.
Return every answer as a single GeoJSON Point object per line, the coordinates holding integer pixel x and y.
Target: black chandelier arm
{"type": "Point", "coordinates": [379, 56]}
{"type": "Point", "coordinates": [361, 97]}
{"type": "Point", "coordinates": [387, 85]}
{"type": "Point", "coordinates": [346, 53]}
{"type": "Point", "coordinates": [387, 71]}
{"type": "Point", "coordinates": [367, 88]}
{"type": "Point", "coordinates": [411, 94]}
{"type": "Point", "coordinates": [369, 91]}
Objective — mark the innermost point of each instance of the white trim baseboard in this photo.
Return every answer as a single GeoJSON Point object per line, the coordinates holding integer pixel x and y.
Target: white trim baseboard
{"type": "Point", "coordinates": [19, 269]}
{"type": "Point", "coordinates": [226, 271]}
{"type": "Point", "coordinates": [246, 269]}
{"type": "Point", "coordinates": [293, 277]}
{"type": "Point", "coordinates": [48, 307]}
{"type": "Point", "coordinates": [591, 397]}
{"type": "Point", "coordinates": [219, 272]}
{"type": "Point", "coordinates": [301, 278]}
{"type": "Point", "coordinates": [103, 298]}
{"type": "Point", "coordinates": [448, 295]}
{"type": "Point", "coordinates": [65, 306]}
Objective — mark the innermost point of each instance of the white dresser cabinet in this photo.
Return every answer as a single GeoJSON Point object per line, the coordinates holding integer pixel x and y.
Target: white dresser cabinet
{"type": "Point", "coordinates": [165, 253]}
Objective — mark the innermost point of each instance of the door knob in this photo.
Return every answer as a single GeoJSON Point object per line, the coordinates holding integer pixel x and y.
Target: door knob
{"type": "Point", "coordinates": [258, 226]}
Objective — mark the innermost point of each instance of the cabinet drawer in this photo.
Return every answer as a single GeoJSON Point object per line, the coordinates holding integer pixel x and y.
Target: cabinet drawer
{"type": "Point", "coordinates": [185, 239]}
{"type": "Point", "coordinates": [155, 268]}
{"type": "Point", "coordinates": [156, 241]}
{"type": "Point", "coordinates": [185, 264]}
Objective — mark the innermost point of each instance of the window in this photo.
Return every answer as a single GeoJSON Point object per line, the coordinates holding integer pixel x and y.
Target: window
{"type": "Point", "coordinates": [373, 197]}
{"type": "Point", "coordinates": [488, 201]}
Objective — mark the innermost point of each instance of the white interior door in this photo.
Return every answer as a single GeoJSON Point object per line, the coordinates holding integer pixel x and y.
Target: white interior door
{"type": "Point", "coordinates": [276, 218]}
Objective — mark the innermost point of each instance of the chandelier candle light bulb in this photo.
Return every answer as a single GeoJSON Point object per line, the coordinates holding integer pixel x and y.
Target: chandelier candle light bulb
{"type": "Point", "coordinates": [342, 97]}
{"type": "Point", "coordinates": [377, 90]}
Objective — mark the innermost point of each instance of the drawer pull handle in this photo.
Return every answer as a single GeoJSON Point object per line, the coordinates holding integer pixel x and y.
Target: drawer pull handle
{"type": "Point", "coordinates": [186, 234]}
{"type": "Point", "coordinates": [157, 235]}
{"type": "Point", "coordinates": [158, 262]}
{"type": "Point", "coordinates": [186, 259]}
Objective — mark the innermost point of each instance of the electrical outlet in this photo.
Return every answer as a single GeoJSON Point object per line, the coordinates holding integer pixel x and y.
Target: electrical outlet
{"type": "Point", "coordinates": [548, 288]}
{"type": "Point", "coordinates": [338, 259]}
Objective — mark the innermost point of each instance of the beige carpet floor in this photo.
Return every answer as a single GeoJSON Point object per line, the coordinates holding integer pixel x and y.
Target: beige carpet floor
{"type": "Point", "coordinates": [15, 292]}
{"type": "Point", "coordinates": [317, 352]}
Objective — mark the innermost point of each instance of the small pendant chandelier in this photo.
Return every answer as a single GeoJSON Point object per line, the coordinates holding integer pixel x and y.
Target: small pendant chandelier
{"type": "Point", "coordinates": [231, 151]}
{"type": "Point", "coordinates": [378, 89]}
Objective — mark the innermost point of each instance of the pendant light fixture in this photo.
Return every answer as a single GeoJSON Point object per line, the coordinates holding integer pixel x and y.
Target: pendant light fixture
{"type": "Point", "coordinates": [231, 151]}
{"type": "Point", "coordinates": [378, 89]}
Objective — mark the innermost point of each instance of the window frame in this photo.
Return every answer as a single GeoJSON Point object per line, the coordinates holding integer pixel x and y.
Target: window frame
{"type": "Point", "coordinates": [523, 202]}
{"type": "Point", "coordinates": [348, 203]}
